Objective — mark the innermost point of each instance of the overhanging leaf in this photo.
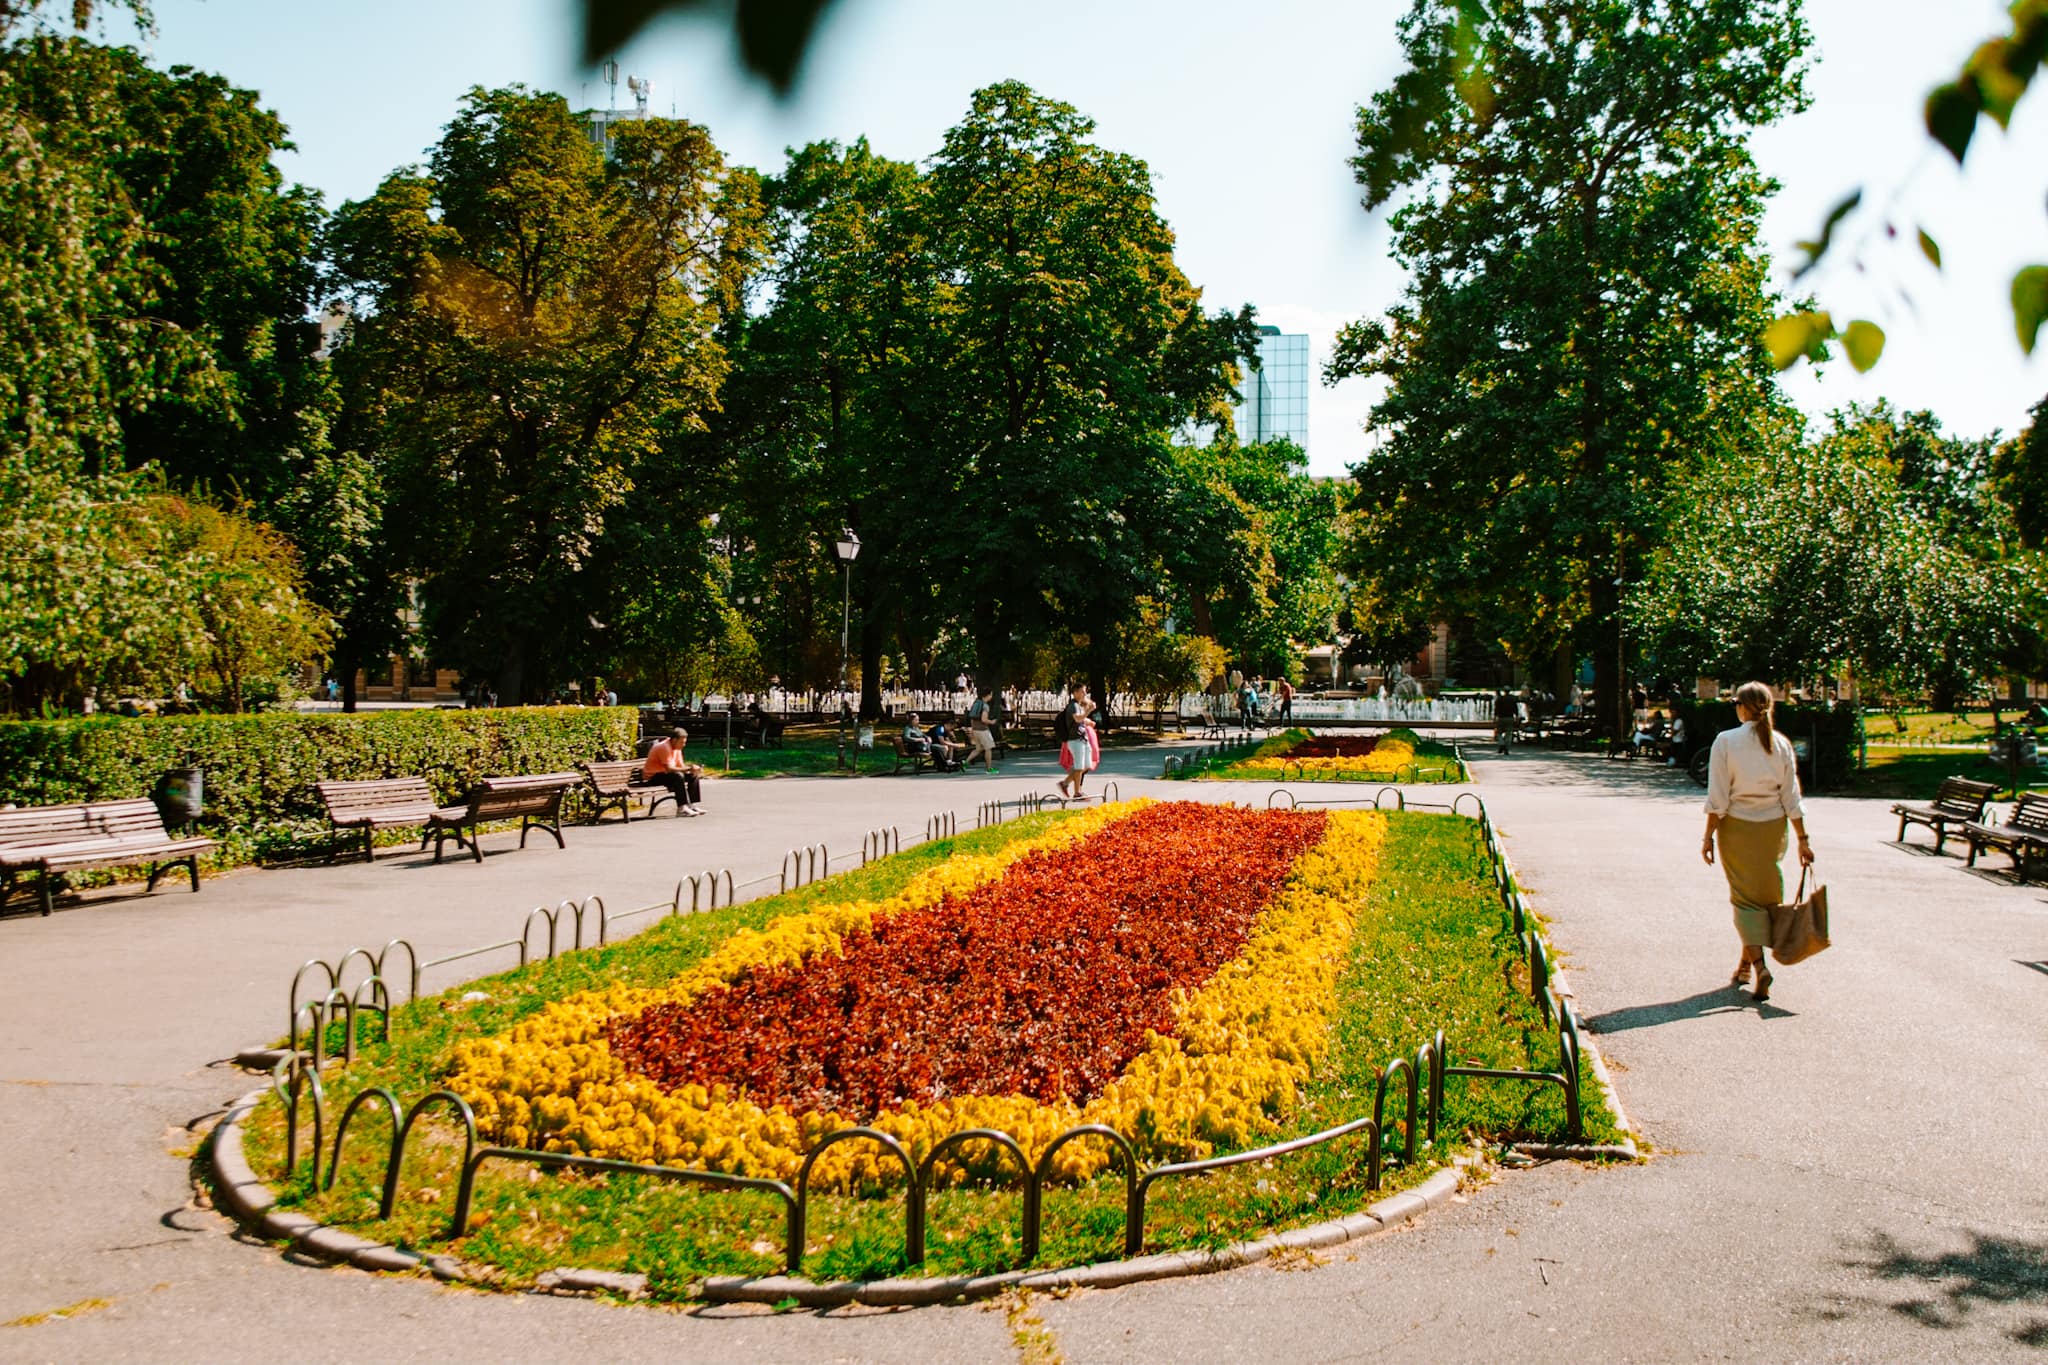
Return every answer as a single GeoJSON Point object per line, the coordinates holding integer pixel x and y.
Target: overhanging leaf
{"type": "Point", "coordinates": [1952, 117]}
{"type": "Point", "coordinates": [1818, 248]}
{"type": "Point", "coordinates": [773, 34]}
{"type": "Point", "coordinates": [1930, 248]}
{"type": "Point", "coordinates": [1797, 335]}
{"type": "Point", "coordinates": [2030, 304]}
{"type": "Point", "coordinates": [1864, 343]}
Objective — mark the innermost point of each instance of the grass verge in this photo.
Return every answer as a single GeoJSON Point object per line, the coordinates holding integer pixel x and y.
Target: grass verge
{"type": "Point", "coordinates": [1431, 950]}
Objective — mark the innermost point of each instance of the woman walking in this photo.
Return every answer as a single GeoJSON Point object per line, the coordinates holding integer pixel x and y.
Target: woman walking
{"type": "Point", "coordinates": [1752, 793]}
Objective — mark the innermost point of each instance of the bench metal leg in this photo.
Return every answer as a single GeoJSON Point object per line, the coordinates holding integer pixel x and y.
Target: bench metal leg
{"type": "Point", "coordinates": [43, 885]}
{"type": "Point", "coordinates": [191, 866]}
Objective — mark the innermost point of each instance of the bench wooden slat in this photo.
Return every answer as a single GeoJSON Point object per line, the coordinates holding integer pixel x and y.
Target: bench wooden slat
{"type": "Point", "coordinates": [1958, 801]}
{"type": "Point", "coordinates": [535, 799]}
{"type": "Point", "coordinates": [366, 805]}
{"type": "Point", "coordinates": [49, 840]}
{"type": "Point", "coordinates": [2023, 834]}
{"type": "Point", "coordinates": [617, 782]}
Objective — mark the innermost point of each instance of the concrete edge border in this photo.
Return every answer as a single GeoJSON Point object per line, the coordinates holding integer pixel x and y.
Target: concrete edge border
{"type": "Point", "coordinates": [243, 1196]}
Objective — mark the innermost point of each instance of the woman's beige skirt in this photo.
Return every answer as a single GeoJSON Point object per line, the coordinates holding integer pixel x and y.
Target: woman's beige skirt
{"type": "Point", "coordinates": [1750, 853]}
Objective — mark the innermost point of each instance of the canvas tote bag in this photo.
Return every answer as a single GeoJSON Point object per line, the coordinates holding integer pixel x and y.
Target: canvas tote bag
{"type": "Point", "coordinates": [1800, 929]}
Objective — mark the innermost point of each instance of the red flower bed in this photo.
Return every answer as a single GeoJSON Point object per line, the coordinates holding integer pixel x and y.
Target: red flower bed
{"type": "Point", "coordinates": [1043, 983]}
{"type": "Point", "coordinates": [1335, 746]}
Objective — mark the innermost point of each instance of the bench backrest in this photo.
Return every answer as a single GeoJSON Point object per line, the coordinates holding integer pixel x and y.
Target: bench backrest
{"type": "Point", "coordinates": [611, 775]}
{"type": "Point", "coordinates": [1960, 796]}
{"type": "Point", "coordinates": [137, 818]}
{"type": "Point", "coordinates": [346, 798]}
{"type": "Point", "coordinates": [495, 798]}
{"type": "Point", "coordinates": [2030, 813]}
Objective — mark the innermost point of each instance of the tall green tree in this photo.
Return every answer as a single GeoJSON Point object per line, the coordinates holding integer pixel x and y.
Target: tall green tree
{"type": "Point", "coordinates": [1582, 324]}
{"type": "Point", "coordinates": [829, 414]}
{"type": "Point", "coordinates": [1252, 551]}
{"type": "Point", "coordinates": [227, 245]}
{"type": "Point", "coordinates": [1877, 550]}
{"type": "Point", "coordinates": [536, 327]}
{"type": "Point", "coordinates": [1073, 348]}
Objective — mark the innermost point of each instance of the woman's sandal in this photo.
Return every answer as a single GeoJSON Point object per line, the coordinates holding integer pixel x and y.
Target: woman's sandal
{"type": "Point", "coordinates": [1763, 984]}
{"type": "Point", "coordinates": [1741, 977]}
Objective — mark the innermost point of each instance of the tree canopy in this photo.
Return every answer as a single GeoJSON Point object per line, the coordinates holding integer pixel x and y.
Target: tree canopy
{"type": "Point", "coordinates": [1581, 326]}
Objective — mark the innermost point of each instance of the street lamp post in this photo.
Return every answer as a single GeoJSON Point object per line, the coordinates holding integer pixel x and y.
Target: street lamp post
{"type": "Point", "coordinates": [847, 547]}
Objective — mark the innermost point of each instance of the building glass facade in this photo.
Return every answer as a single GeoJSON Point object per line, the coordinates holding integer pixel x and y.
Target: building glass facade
{"type": "Point", "coordinates": [1275, 402]}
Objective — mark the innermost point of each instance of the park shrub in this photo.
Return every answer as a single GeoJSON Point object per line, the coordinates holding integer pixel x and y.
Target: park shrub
{"type": "Point", "coordinates": [1833, 732]}
{"type": "Point", "coordinates": [260, 769]}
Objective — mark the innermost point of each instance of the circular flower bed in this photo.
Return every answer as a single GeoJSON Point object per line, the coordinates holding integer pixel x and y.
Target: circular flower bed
{"type": "Point", "coordinates": [1168, 970]}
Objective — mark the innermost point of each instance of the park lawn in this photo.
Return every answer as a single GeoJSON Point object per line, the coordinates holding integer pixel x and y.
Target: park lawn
{"type": "Point", "coordinates": [1904, 774]}
{"type": "Point", "coordinates": [1939, 727]}
{"type": "Point", "coordinates": [1432, 949]}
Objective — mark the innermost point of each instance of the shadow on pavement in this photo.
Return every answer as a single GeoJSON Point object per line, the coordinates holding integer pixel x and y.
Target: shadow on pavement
{"type": "Point", "coordinates": [1721, 1000]}
{"type": "Point", "coordinates": [1617, 776]}
{"type": "Point", "coordinates": [1948, 1287]}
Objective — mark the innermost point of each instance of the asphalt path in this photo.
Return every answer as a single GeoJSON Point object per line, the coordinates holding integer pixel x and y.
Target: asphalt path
{"type": "Point", "coordinates": [1852, 1172]}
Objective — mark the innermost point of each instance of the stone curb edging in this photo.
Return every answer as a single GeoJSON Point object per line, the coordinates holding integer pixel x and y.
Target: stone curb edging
{"type": "Point", "coordinates": [907, 1293]}
{"type": "Point", "coordinates": [250, 1202]}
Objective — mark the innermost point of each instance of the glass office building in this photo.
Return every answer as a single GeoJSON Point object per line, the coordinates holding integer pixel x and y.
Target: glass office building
{"type": "Point", "coordinates": [1275, 402]}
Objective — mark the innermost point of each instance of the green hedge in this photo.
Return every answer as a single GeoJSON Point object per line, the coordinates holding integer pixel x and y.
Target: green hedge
{"type": "Point", "coordinates": [1833, 732]}
{"type": "Point", "coordinates": [260, 769]}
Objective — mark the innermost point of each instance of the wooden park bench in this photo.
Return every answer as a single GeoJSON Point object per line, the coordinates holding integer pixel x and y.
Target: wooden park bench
{"type": "Point", "coordinates": [2024, 834]}
{"type": "Point", "coordinates": [920, 760]}
{"type": "Point", "coordinates": [1959, 802]}
{"type": "Point", "coordinates": [536, 802]}
{"type": "Point", "coordinates": [374, 804]}
{"type": "Point", "coordinates": [616, 782]}
{"type": "Point", "coordinates": [53, 840]}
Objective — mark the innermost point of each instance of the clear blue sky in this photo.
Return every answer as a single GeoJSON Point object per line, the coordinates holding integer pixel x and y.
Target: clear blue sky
{"type": "Point", "coordinates": [1244, 114]}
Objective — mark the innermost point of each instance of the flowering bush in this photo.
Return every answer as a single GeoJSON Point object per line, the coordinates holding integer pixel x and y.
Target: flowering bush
{"type": "Point", "coordinates": [1165, 970]}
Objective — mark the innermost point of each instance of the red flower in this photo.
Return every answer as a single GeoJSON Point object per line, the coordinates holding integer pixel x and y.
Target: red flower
{"type": "Point", "coordinates": [1043, 983]}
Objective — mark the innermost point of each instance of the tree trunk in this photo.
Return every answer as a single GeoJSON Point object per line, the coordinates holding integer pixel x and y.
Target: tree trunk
{"type": "Point", "coordinates": [1610, 680]}
{"type": "Point", "coordinates": [512, 676]}
{"type": "Point", "coordinates": [870, 667]}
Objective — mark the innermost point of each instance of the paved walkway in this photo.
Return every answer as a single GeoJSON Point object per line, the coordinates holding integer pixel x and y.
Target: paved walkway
{"type": "Point", "coordinates": [1854, 1173]}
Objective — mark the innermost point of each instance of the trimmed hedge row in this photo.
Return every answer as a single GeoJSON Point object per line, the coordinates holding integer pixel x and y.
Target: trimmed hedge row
{"type": "Point", "coordinates": [260, 769]}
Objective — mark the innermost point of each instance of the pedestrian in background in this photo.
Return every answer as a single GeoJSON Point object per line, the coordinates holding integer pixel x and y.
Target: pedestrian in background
{"type": "Point", "coordinates": [1752, 794]}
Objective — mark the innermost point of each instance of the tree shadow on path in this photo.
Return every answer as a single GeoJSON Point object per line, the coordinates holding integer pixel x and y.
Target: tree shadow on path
{"type": "Point", "coordinates": [1721, 1000]}
{"type": "Point", "coordinates": [1948, 1288]}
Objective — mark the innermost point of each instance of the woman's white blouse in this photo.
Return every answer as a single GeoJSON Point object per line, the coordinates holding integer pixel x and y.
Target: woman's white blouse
{"type": "Point", "coordinates": [1746, 781]}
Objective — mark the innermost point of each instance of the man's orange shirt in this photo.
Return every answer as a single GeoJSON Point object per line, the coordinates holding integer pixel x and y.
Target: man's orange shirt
{"type": "Point", "coordinates": [665, 757]}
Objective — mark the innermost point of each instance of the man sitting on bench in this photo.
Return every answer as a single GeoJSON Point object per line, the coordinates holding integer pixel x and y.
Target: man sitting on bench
{"type": "Point", "coordinates": [665, 767]}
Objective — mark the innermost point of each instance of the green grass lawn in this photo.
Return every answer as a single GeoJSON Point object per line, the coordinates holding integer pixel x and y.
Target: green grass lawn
{"type": "Point", "coordinates": [1938, 727]}
{"type": "Point", "coordinates": [1901, 774]}
{"type": "Point", "coordinates": [1432, 949]}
